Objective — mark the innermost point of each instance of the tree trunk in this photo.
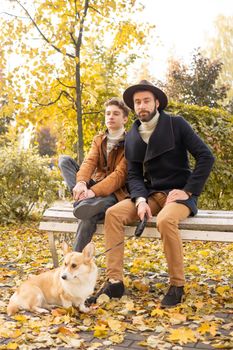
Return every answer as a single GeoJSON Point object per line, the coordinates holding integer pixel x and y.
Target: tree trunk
{"type": "Point", "coordinates": [80, 152]}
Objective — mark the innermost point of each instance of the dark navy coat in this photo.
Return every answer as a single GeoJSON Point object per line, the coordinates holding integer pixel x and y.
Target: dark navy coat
{"type": "Point", "coordinates": [163, 164]}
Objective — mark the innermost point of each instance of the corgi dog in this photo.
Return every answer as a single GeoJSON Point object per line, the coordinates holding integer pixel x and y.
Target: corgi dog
{"type": "Point", "coordinates": [65, 286]}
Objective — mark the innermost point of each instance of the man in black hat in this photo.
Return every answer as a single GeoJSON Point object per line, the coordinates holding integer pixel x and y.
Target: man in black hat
{"type": "Point", "coordinates": [160, 182]}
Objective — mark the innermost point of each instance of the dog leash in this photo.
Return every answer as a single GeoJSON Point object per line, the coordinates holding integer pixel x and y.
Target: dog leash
{"type": "Point", "coordinates": [138, 232]}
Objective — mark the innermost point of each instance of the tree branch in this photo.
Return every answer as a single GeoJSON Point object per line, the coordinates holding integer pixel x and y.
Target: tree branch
{"type": "Point", "coordinates": [91, 7]}
{"type": "Point", "coordinates": [72, 38]}
{"type": "Point", "coordinates": [65, 93]}
{"type": "Point", "coordinates": [79, 41]}
{"type": "Point", "coordinates": [76, 10]}
{"type": "Point", "coordinates": [10, 14]}
{"type": "Point", "coordinates": [67, 86]}
{"type": "Point", "coordinates": [38, 29]}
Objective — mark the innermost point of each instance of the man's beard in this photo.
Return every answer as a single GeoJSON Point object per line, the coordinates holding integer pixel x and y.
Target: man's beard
{"type": "Point", "coordinates": [149, 116]}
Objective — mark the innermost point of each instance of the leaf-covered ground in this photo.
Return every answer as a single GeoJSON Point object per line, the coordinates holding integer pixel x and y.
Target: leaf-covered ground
{"type": "Point", "coordinates": [204, 320]}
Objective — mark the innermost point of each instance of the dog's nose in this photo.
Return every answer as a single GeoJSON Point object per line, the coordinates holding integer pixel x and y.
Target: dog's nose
{"type": "Point", "coordinates": [64, 277]}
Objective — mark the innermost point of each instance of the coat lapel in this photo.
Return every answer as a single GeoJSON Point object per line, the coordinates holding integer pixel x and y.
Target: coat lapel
{"type": "Point", "coordinates": [161, 141]}
{"type": "Point", "coordinates": [135, 147]}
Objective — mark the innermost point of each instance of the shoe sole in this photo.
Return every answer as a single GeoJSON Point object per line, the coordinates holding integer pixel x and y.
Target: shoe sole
{"type": "Point", "coordinates": [87, 210]}
{"type": "Point", "coordinates": [162, 306]}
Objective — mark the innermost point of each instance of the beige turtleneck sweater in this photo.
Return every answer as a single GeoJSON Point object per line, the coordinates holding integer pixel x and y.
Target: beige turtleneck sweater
{"type": "Point", "coordinates": [146, 128]}
{"type": "Point", "coordinates": [113, 137]}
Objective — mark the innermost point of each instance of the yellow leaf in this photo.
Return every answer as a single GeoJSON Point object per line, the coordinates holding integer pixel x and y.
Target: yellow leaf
{"type": "Point", "coordinates": [199, 304]}
{"type": "Point", "coordinates": [140, 286]}
{"type": "Point", "coordinates": [222, 289]}
{"type": "Point", "coordinates": [12, 346]}
{"type": "Point", "coordinates": [204, 253]}
{"type": "Point", "coordinates": [130, 305]}
{"type": "Point", "coordinates": [103, 298]}
{"type": "Point", "coordinates": [207, 327]}
{"type": "Point", "coordinates": [157, 312]}
{"type": "Point", "coordinates": [115, 325]}
{"type": "Point", "coordinates": [17, 333]}
{"type": "Point", "coordinates": [138, 320]}
{"type": "Point", "coordinates": [117, 338]}
{"type": "Point", "coordinates": [194, 268]}
{"type": "Point", "coordinates": [65, 331]}
{"type": "Point", "coordinates": [182, 335]}
{"type": "Point", "coordinates": [177, 318]}
{"type": "Point", "coordinates": [100, 331]}
{"type": "Point", "coordinates": [20, 318]}
{"type": "Point", "coordinates": [58, 312]}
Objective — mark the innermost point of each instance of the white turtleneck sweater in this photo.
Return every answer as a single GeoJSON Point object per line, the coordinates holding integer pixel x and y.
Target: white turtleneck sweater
{"type": "Point", "coordinates": [113, 138]}
{"type": "Point", "coordinates": [146, 128]}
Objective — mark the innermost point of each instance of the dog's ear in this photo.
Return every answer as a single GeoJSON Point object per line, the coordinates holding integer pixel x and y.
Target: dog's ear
{"type": "Point", "coordinates": [88, 252]}
{"type": "Point", "coordinates": [65, 248]}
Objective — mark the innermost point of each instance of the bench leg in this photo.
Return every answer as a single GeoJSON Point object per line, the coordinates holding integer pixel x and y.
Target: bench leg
{"type": "Point", "coordinates": [53, 250]}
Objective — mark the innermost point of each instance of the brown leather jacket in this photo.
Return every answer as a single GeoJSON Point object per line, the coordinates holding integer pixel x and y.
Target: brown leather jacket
{"type": "Point", "coordinates": [109, 174]}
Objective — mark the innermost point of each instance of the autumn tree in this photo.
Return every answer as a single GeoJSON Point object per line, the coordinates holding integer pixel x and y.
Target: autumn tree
{"type": "Point", "coordinates": [221, 46]}
{"type": "Point", "coordinates": [6, 106]}
{"type": "Point", "coordinates": [196, 84]}
{"type": "Point", "coordinates": [75, 52]}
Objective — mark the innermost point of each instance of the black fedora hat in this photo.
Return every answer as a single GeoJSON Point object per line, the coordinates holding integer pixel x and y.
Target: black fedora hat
{"type": "Point", "coordinates": [144, 85]}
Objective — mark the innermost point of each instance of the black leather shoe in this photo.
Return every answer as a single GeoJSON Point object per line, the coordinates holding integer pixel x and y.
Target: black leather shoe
{"type": "Point", "coordinates": [174, 296]}
{"type": "Point", "coordinates": [87, 208]}
{"type": "Point", "coordinates": [113, 290]}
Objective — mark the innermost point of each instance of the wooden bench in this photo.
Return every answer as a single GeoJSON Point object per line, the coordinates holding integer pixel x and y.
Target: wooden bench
{"type": "Point", "coordinates": [208, 225]}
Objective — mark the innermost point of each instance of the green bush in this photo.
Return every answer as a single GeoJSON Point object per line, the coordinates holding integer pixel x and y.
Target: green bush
{"type": "Point", "coordinates": [215, 127]}
{"type": "Point", "coordinates": [26, 183]}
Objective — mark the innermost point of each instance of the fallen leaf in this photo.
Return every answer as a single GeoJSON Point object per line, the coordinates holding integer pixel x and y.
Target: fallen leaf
{"type": "Point", "coordinates": [207, 327]}
{"type": "Point", "coordinates": [117, 338]}
{"type": "Point", "coordinates": [12, 346]}
{"type": "Point", "coordinates": [100, 331]}
{"type": "Point", "coordinates": [182, 335]}
{"type": "Point", "coordinates": [115, 325]}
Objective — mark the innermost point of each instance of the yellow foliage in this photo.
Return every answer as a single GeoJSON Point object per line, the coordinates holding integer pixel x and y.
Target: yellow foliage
{"type": "Point", "coordinates": [12, 346]}
{"type": "Point", "coordinates": [116, 325]}
{"type": "Point", "coordinates": [100, 331]}
{"type": "Point", "coordinates": [45, 80]}
{"type": "Point", "coordinates": [182, 335]}
{"type": "Point", "coordinates": [207, 327]}
{"type": "Point", "coordinates": [222, 289]}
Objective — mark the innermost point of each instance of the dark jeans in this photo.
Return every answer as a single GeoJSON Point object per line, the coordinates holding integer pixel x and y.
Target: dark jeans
{"type": "Point", "coordinates": [86, 228]}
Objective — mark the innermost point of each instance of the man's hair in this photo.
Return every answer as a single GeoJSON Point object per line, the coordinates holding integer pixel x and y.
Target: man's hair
{"type": "Point", "coordinates": [115, 101]}
{"type": "Point", "coordinates": [143, 90]}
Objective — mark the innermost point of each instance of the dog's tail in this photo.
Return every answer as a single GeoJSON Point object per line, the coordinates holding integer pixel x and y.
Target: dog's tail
{"type": "Point", "coordinates": [13, 306]}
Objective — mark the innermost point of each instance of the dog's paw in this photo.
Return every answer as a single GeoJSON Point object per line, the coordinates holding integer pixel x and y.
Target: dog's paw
{"type": "Point", "coordinates": [84, 308]}
{"type": "Point", "coordinates": [40, 310]}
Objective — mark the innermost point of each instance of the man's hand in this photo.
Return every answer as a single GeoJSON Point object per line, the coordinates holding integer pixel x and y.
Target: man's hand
{"type": "Point", "coordinates": [88, 194]}
{"type": "Point", "coordinates": [144, 209]}
{"type": "Point", "coordinates": [176, 194]}
{"type": "Point", "coordinates": [80, 189]}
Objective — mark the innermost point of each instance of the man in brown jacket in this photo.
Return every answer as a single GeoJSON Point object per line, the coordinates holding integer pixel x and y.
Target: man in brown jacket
{"type": "Point", "coordinates": [99, 182]}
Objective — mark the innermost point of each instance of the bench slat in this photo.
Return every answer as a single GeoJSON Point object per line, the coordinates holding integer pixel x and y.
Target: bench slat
{"type": "Point", "coordinates": [148, 232]}
{"type": "Point", "coordinates": [211, 224]}
{"type": "Point", "coordinates": [69, 214]}
{"type": "Point", "coordinates": [67, 206]}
